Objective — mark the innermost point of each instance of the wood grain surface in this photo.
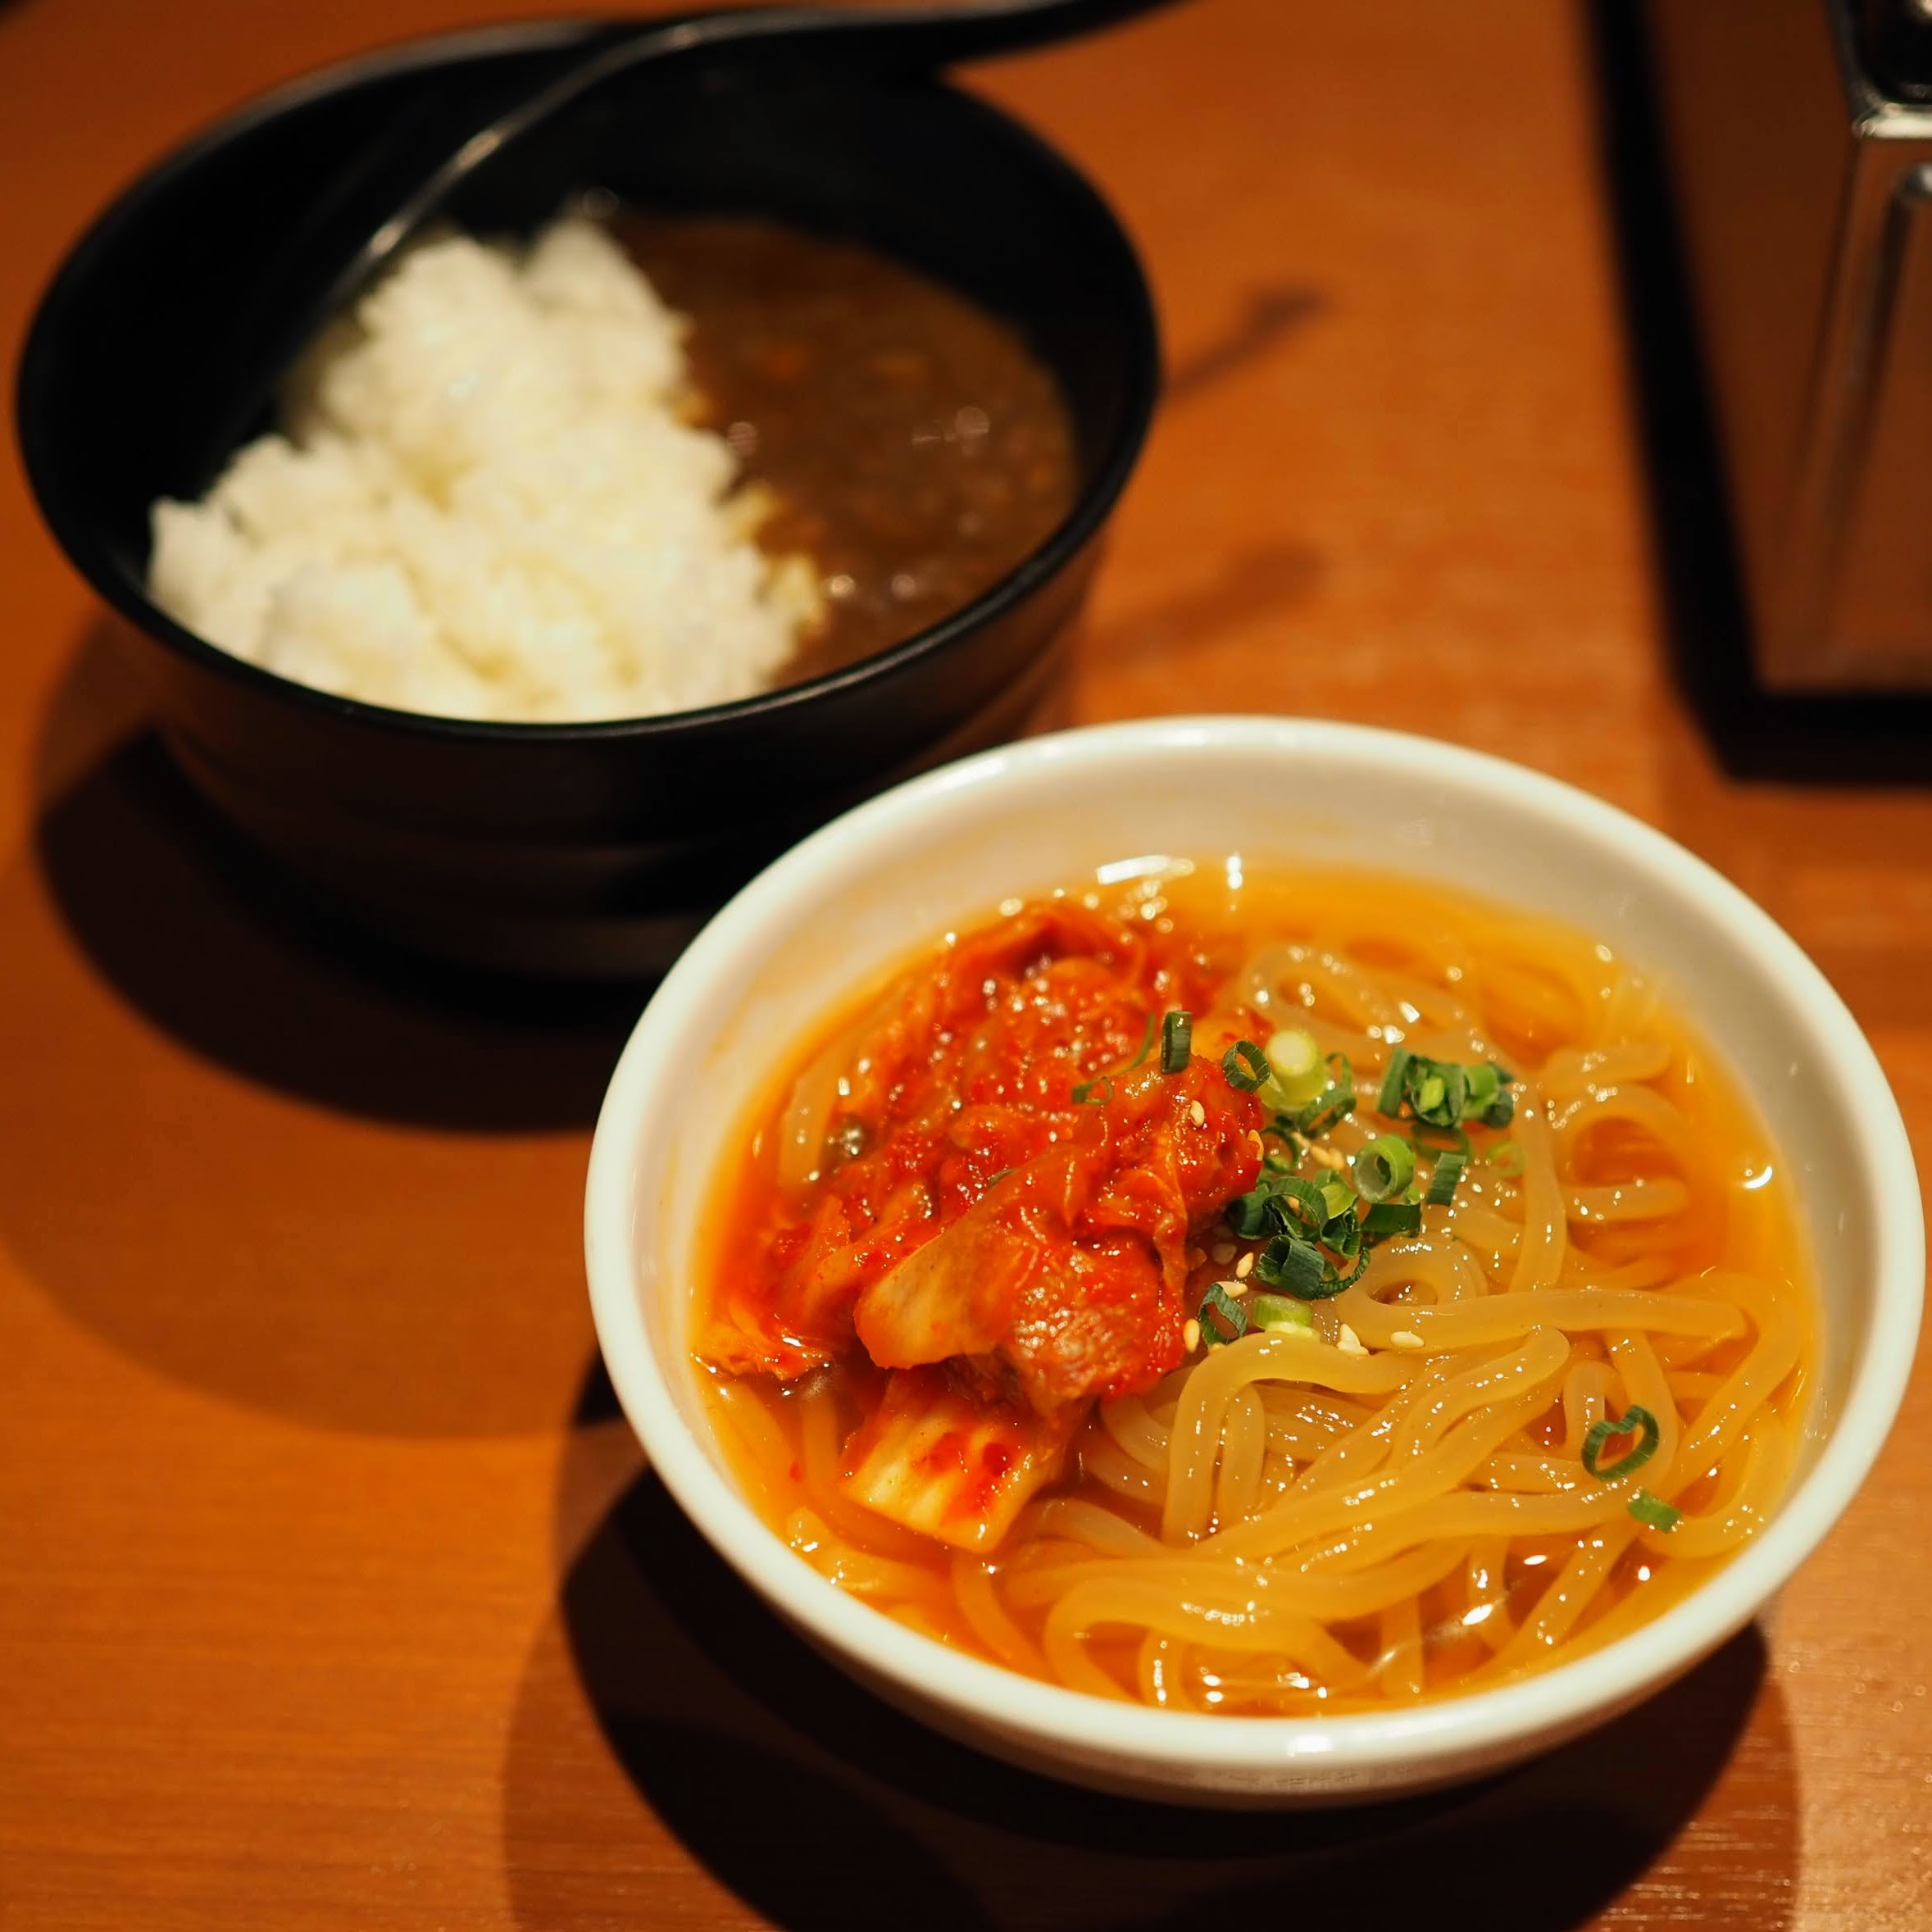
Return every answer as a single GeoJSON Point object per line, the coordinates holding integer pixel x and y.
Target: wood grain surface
{"type": "Point", "coordinates": [334, 1594]}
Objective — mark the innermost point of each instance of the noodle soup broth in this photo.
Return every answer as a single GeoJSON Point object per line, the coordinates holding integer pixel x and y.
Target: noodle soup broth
{"type": "Point", "coordinates": [1258, 1293]}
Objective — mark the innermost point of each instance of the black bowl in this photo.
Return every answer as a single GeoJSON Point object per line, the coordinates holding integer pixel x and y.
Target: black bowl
{"type": "Point", "coordinates": [577, 849]}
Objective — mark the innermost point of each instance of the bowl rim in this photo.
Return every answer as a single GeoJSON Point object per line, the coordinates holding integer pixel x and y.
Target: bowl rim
{"type": "Point", "coordinates": [1562, 1700]}
{"type": "Point", "coordinates": [76, 533]}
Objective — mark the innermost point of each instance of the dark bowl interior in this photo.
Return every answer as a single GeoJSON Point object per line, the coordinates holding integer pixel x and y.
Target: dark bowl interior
{"type": "Point", "coordinates": [590, 849]}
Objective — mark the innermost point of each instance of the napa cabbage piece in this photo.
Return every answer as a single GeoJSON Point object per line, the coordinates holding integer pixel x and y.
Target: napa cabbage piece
{"type": "Point", "coordinates": [949, 1464]}
{"type": "Point", "coordinates": [954, 1295]}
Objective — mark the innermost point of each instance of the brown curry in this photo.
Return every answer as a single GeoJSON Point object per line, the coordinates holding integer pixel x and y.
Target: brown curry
{"type": "Point", "coordinates": [918, 451]}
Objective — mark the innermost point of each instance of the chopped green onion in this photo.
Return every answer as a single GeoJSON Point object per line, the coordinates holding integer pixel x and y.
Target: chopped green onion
{"type": "Point", "coordinates": [1311, 1230]}
{"type": "Point", "coordinates": [1295, 1062]}
{"type": "Point", "coordinates": [1335, 1103]}
{"type": "Point", "coordinates": [1489, 1098]}
{"type": "Point", "coordinates": [1343, 1235]}
{"type": "Point", "coordinates": [1442, 1184]}
{"type": "Point", "coordinates": [1245, 1066]}
{"type": "Point", "coordinates": [1282, 1201]}
{"type": "Point", "coordinates": [1337, 1198]}
{"type": "Point", "coordinates": [1391, 1217]}
{"type": "Point", "coordinates": [1438, 1099]}
{"type": "Point", "coordinates": [1274, 1313]}
{"type": "Point", "coordinates": [1634, 1418]}
{"type": "Point", "coordinates": [1303, 1200]}
{"type": "Point", "coordinates": [1385, 1166]}
{"type": "Point", "coordinates": [1388, 1100]}
{"type": "Point", "coordinates": [1295, 1267]}
{"type": "Point", "coordinates": [1222, 1318]}
{"type": "Point", "coordinates": [1084, 1093]}
{"type": "Point", "coordinates": [1177, 1041]}
{"type": "Point", "coordinates": [1507, 1158]}
{"type": "Point", "coordinates": [998, 1174]}
{"type": "Point", "coordinates": [1440, 1093]}
{"type": "Point", "coordinates": [1653, 1512]}
{"type": "Point", "coordinates": [1249, 1216]}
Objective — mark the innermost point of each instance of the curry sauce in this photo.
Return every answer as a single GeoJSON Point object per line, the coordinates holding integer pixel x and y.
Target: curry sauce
{"type": "Point", "coordinates": [917, 450]}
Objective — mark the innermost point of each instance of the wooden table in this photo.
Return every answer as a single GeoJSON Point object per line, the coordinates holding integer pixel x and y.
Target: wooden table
{"type": "Point", "coordinates": [334, 1594]}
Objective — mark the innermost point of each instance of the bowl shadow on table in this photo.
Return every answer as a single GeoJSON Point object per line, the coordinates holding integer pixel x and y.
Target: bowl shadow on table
{"type": "Point", "coordinates": [1826, 737]}
{"type": "Point", "coordinates": [819, 1806]}
{"type": "Point", "coordinates": [183, 1216]}
{"type": "Point", "coordinates": [217, 947]}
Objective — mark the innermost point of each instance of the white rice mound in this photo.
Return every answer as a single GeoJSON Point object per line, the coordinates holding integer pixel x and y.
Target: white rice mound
{"type": "Point", "coordinates": [487, 505]}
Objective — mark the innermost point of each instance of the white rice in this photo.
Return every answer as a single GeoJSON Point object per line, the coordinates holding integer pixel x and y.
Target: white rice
{"type": "Point", "coordinates": [487, 505]}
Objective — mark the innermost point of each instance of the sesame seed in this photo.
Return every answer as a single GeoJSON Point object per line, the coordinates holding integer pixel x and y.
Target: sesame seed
{"type": "Point", "coordinates": [1254, 1139]}
{"type": "Point", "coordinates": [1245, 1266]}
{"type": "Point", "coordinates": [1223, 1252]}
{"type": "Point", "coordinates": [1195, 1258]}
{"type": "Point", "coordinates": [1349, 1342]}
{"type": "Point", "coordinates": [1404, 1338]}
{"type": "Point", "coordinates": [1233, 1288]}
{"type": "Point", "coordinates": [1190, 1336]}
{"type": "Point", "coordinates": [1198, 1114]}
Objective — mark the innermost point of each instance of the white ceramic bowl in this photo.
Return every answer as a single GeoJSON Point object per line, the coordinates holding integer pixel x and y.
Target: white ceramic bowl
{"type": "Point", "coordinates": [853, 898]}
